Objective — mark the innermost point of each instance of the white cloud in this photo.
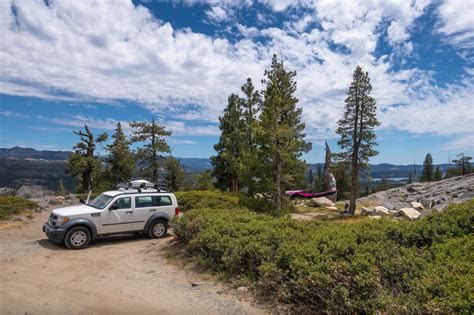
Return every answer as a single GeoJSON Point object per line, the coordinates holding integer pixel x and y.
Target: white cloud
{"type": "Point", "coordinates": [217, 14]}
{"type": "Point", "coordinates": [461, 143]}
{"type": "Point", "coordinates": [457, 25]}
{"type": "Point", "coordinates": [452, 114]}
{"type": "Point", "coordinates": [8, 113]}
{"type": "Point", "coordinates": [175, 127]}
{"type": "Point", "coordinates": [180, 128]}
{"type": "Point", "coordinates": [280, 5]}
{"type": "Point", "coordinates": [118, 51]}
{"type": "Point", "coordinates": [180, 141]}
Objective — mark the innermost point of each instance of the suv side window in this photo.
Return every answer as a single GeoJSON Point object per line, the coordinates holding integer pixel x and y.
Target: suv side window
{"type": "Point", "coordinates": [123, 203]}
{"type": "Point", "coordinates": [143, 201]}
{"type": "Point", "coordinates": [152, 201]}
{"type": "Point", "coordinates": [162, 201]}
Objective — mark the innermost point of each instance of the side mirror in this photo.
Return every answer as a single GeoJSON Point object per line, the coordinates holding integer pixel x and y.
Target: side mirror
{"type": "Point", "coordinates": [82, 201]}
{"type": "Point", "coordinates": [113, 207]}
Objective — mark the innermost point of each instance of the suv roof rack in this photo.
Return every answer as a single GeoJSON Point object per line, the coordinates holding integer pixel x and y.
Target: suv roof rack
{"type": "Point", "coordinates": [140, 185]}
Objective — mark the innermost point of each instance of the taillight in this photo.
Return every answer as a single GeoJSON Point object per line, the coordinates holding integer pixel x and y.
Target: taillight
{"type": "Point", "coordinates": [176, 211]}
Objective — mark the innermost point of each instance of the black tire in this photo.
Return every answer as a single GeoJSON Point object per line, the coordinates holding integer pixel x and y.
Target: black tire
{"type": "Point", "coordinates": [158, 229]}
{"type": "Point", "coordinates": [77, 238]}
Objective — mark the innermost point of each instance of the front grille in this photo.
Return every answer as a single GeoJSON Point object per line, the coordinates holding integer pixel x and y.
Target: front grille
{"type": "Point", "coordinates": [52, 219]}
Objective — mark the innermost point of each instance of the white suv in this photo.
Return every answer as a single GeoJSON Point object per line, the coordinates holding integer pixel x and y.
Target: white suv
{"type": "Point", "coordinates": [130, 209]}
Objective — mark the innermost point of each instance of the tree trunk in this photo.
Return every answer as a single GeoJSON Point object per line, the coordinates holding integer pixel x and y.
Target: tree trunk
{"type": "Point", "coordinates": [278, 185]}
{"type": "Point", "coordinates": [233, 187]}
{"type": "Point", "coordinates": [155, 163]}
{"type": "Point", "coordinates": [86, 182]}
{"type": "Point", "coordinates": [354, 187]}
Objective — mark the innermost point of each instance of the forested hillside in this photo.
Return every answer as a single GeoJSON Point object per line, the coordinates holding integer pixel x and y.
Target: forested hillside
{"type": "Point", "coordinates": [18, 172]}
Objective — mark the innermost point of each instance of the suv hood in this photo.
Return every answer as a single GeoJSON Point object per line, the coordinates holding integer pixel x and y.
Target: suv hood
{"type": "Point", "coordinates": [74, 210]}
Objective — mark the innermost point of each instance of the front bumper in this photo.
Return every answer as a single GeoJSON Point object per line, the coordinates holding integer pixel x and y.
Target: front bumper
{"type": "Point", "coordinates": [55, 234]}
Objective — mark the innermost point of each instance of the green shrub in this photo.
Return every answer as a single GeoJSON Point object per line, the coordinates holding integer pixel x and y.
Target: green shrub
{"type": "Point", "coordinates": [216, 199]}
{"type": "Point", "coordinates": [13, 205]}
{"type": "Point", "coordinates": [366, 266]}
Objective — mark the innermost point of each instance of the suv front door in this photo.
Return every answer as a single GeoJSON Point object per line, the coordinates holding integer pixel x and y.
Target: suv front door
{"type": "Point", "coordinates": [118, 217]}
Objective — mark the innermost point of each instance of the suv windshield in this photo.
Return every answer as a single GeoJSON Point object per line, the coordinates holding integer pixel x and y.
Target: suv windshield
{"type": "Point", "coordinates": [100, 202]}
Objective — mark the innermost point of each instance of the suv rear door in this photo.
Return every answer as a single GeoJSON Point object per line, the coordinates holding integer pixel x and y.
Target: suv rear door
{"type": "Point", "coordinates": [147, 205]}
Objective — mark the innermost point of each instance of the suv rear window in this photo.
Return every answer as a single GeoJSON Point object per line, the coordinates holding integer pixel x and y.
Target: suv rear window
{"type": "Point", "coordinates": [152, 201]}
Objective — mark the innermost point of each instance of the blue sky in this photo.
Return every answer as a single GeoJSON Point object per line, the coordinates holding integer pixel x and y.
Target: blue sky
{"type": "Point", "coordinates": [64, 64]}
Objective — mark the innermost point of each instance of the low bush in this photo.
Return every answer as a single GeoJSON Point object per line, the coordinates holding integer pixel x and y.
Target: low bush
{"type": "Point", "coordinates": [13, 205]}
{"type": "Point", "coordinates": [216, 199]}
{"type": "Point", "coordinates": [321, 266]}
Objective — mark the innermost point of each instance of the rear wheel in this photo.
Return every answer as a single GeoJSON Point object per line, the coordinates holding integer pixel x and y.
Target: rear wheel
{"type": "Point", "coordinates": [77, 238]}
{"type": "Point", "coordinates": [158, 229]}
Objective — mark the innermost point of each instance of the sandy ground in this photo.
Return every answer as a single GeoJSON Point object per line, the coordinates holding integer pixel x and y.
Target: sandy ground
{"type": "Point", "coordinates": [121, 274]}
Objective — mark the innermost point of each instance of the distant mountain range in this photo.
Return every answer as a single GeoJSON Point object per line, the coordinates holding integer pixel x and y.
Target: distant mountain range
{"type": "Point", "coordinates": [200, 164]}
{"type": "Point", "coordinates": [29, 153]}
{"type": "Point", "coordinates": [189, 164]}
{"type": "Point", "coordinates": [392, 171]}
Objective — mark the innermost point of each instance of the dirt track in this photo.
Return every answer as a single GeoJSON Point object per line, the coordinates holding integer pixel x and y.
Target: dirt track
{"type": "Point", "coordinates": [122, 274]}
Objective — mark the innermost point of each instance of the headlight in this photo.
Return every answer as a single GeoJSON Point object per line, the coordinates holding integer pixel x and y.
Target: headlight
{"type": "Point", "coordinates": [62, 220]}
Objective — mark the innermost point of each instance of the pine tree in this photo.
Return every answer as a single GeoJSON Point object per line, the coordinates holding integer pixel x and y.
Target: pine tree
{"type": "Point", "coordinates": [152, 134]}
{"type": "Point", "coordinates": [356, 129]}
{"type": "Point", "coordinates": [228, 162]}
{"type": "Point", "coordinates": [120, 158]}
{"type": "Point", "coordinates": [61, 189]}
{"type": "Point", "coordinates": [281, 132]}
{"type": "Point", "coordinates": [250, 124]}
{"type": "Point", "coordinates": [203, 181]}
{"type": "Point", "coordinates": [319, 185]}
{"type": "Point", "coordinates": [175, 175]}
{"type": "Point", "coordinates": [437, 174]}
{"type": "Point", "coordinates": [83, 165]}
{"type": "Point", "coordinates": [311, 180]}
{"type": "Point", "coordinates": [341, 173]}
{"type": "Point", "coordinates": [383, 185]}
{"type": "Point", "coordinates": [463, 164]}
{"type": "Point", "coordinates": [428, 169]}
{"type": "Point", "coordinates": [410, 178]}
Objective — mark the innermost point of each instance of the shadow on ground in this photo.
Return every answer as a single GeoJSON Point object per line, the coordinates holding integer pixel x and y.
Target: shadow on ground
{"type": "Point", "coordinates": [103, 241]}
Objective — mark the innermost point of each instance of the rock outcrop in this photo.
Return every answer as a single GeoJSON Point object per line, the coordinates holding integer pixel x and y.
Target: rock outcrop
{"type": "Point", "coordinates": [410, 213]}
{"type": "Point", "coordinates": [7, 191]}
{"type": "Point", "coordinates": [322, 202]}
{"type": "Point", "coordinates": [381, 211]}
{"type": "Point", "coordinates": [425, 196]}
{"type": "Point", "coordinates": [34, 191]}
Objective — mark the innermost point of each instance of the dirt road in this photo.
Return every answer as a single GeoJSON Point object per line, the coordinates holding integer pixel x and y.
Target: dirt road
{"type": "Point", "coordinates": [122, 274]}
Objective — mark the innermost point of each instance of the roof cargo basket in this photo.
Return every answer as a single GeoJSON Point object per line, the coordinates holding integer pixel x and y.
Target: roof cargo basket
{"type": "Point", "coordinates": [141, 185]}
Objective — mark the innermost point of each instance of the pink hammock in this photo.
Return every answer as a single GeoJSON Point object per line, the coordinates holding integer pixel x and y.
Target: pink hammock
{"type": "Point", "coordinates": [303, 194]}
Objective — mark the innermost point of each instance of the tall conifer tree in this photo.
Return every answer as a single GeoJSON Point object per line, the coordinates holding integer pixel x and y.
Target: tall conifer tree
{"type": "Point", "coordinates": [281, 133]}
{"type": "Point", "coordinates": [356, 129]}
{"type": "Point", "coordinates": [438, 175]}
{"type": "Point", "coordinates": [83, 164]}
{"type": "Point", "coordinates": [228, 161]}
{"type": "Point", "coordinates": [311, 180]}
{"type": "Point", "coordinates": [175, 175]}
{"type": "Point", "coordinates": [120, 158]}
{"type": "Point", "coordinates": [463, 164]}
{"type": "Point", "coordinates": [152, 134]}
{"type": "Point", "coordinates": [250, 161]}
{"type": "Point", "coordinates": [427, 174]}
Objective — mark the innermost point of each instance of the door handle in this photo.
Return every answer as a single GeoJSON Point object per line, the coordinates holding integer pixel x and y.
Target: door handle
{"type": "Point", "coordinates": [152, 210]}
{"type": "Point", "coordinates": [129, 212]}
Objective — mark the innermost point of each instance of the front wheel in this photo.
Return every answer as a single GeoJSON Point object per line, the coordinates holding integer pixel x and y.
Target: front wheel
{"type": "Point", "coordinates": [77, 238]}
{"type": "Point", "coordinates": [158, 229]}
